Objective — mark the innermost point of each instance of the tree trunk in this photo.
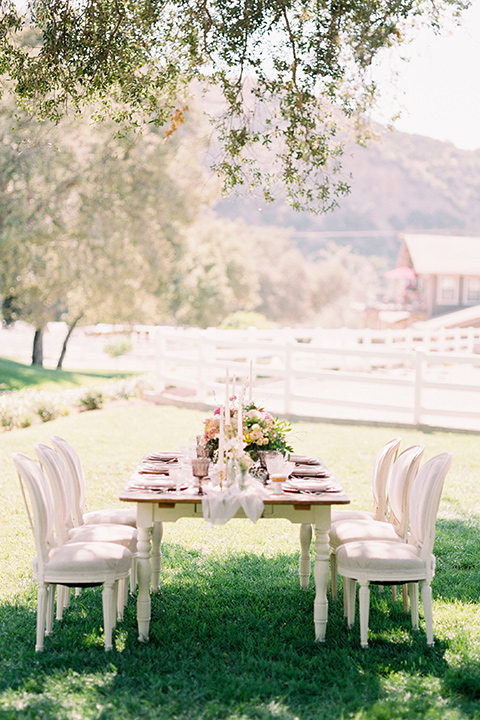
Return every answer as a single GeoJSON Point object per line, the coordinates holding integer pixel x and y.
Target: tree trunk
{"type": "Point", "coordinates": [37, 353]}
{"type": "Point", "coordinates": [67, 338]}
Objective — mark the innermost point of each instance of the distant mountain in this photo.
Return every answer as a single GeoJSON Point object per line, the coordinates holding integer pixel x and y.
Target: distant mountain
{"type": "Point", "coordinates": [399, 183]}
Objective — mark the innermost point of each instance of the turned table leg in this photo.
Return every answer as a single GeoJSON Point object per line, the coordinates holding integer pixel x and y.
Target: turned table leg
{"type": "Point", "coordinates": [156, 557]}
{"type": "Point", "coordinates": [320, 613]}
{"type": "Point", "coordinates": [305, 560]}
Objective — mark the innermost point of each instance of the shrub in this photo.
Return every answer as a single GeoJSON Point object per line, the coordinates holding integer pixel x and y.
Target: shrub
{"type": "Point", "coordinates": [6, 420]}
{"type": "Point", "coordinates": [20, 408]}
{"type": "Point", "coordinates": [118, 348]}
{"type": "Point", "coordinates": [243, 319]}
{"type": "Point", "coordinates": [92, 400]}
{"type": "Point", "coordinates": [45, 413]}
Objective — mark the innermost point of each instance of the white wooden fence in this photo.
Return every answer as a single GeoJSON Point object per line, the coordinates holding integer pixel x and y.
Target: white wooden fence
{"type": "Point", "coordinates": [397, 377]}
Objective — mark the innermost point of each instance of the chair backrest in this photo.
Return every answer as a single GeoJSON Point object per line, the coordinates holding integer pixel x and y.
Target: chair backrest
{"type": "Point", "coordinates": [61, 487]}
{"type": "Point", "coordinates": [404, 470]}
{"type": "Point", "coordinates": [381, 470]}
{"type": "Point", "coordinates": [424, 501]}
{"type": "Point", "coordinates": [40, 508]}
{"type": "Point", "coordinates": [77, 477]}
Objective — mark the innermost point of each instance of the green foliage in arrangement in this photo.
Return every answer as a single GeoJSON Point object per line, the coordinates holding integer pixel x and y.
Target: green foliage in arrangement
{"type": "Point", "coordinates": [288, 72]}
{"type": "Point", "coordinates": [232, 634]}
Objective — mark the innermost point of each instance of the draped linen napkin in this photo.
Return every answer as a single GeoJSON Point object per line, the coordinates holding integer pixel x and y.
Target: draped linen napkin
{"type": "Point", "coordinates": [306, 459]}
{"type": "Point", "coordinates": [162, 456]}
{"type": "Point", "coordinates": [219, 505]}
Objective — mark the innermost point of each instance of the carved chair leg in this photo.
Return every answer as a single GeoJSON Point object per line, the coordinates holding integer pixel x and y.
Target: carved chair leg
{"type": "Point", "coordinates": [108, 602]}
{"type": "Point", "coordinates": [41, 616]}
{"type": "Point", "coordinates": [364, 604]}
{"type": "Point", "coordinates": [427, 611]}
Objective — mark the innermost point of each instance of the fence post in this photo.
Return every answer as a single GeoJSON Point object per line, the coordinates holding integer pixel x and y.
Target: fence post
{"type": "Point", "coordinates": [457, 345]}
{"type": "Point", "coordinates": [287, 400]}
{"type": "Point", "coordinates": [202, 368]}
{"type": "Point", "coordinates": [470, 340]}
{"type": "Point", "coordinates": [418, 369]}
{"type": "Point", "coordinates": [159, 360]}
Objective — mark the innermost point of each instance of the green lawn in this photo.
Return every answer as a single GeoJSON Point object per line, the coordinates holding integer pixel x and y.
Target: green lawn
{"type": "Point", "coordinates": [16, 376]}
{"type": "Point", "coordinates": [232, 634]}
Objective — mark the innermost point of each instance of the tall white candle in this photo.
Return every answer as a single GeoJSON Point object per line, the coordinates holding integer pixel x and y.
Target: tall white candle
{"type": "Point", "coordinates": [240, 416]}
{"type": "Point", "coordinates": [250, 386]}
{"type": "Point", "coordinates": [227, 401]}
{"type": "Point", "coordinates": [221, 438]}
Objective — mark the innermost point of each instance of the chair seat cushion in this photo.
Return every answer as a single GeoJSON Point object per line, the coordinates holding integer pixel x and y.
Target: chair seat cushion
{"type": "Point", "coordinates": [82, 563]}
{"type": "Point", "coordinates": [351, 530]}
{"type": "Point", "coordinates": [118, 516]}
{"type": "Point", "coordinates": [392, 559]}
{"type": "Point", "coordinates": [342, 515]}
{"type": "Point", "coordinates": [120, 534]}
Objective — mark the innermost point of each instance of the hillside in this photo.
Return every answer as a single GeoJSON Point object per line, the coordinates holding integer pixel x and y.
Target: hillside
{"type": "Point", "coordinates": [399, 183]}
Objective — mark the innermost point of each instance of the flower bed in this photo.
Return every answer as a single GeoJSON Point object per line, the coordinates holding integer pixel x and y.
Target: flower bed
{"type": "Point", "coordinates": [24, 407]}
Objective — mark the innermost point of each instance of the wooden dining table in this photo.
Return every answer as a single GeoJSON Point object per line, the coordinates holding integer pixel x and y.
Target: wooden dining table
{"type": "Point", "coordinates": [310, 511]}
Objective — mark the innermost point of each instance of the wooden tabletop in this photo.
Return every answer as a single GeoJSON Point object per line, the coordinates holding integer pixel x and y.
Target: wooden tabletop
{"type": "Point", "coordinates": [169, 497]}
{"type": "Point", "coordinates": [172, 497]}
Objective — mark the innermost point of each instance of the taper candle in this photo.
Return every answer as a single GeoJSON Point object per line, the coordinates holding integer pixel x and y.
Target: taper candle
{"type": "Point", "coordinates": [227, 401]}
{"type": "Point", "coordinates": [221, 438]}
{"type": "Point", "coordinates": [240, 415]}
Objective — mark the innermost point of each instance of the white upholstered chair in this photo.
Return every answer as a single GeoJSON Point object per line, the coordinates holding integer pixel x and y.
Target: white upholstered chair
{"type": "Point", "coordinates": [380, 473]}
{"type": "Point", "coordinates": [71, 564]}
{"type": "Point", "coordinates": [123, 516]}
{"type": "Point", "coordinates": [392, 563]}
{"type": "Point", "coordinates": [404, 470]}
{"type": "Point", "coordinates": [65, 526]}
{"type": "Point", "coordinates": [81, 516]}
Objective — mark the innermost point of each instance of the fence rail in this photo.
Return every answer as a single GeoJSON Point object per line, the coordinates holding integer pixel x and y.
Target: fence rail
{"type": "Point", "coordinates": [383, 376]}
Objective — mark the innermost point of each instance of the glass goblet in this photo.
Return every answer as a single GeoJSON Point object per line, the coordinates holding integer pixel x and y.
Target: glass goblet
{"type": "Point", "coordinates": [200, 471]}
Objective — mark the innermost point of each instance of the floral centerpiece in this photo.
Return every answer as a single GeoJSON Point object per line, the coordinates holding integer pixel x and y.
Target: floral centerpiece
{"type": "Point", "coordinates": [260, 430]}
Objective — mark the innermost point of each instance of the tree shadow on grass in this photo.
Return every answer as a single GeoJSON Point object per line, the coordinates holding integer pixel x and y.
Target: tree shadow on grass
{"type": "Point", "coordinates": [231, 638]}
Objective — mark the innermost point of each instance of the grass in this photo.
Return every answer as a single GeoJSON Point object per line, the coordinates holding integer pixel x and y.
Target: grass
{"type": "Point", "coordinates": [232, 634]}
{"type": "Point", "coordinates": [17, 376]}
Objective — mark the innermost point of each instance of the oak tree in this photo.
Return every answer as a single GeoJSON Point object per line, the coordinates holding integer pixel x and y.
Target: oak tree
{"type": "Point", "coordinates": [289, 72]}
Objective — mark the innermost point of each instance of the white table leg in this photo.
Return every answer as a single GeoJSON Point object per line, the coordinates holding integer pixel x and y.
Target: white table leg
{"type": "Point", "coordinates": [320, 612]}
{"type": "Point", "coordinates": [156, 558]}
{"type": "Point", "coordinates": [144, 569]}
{"type": "Point", "coordinates": [305, 560]}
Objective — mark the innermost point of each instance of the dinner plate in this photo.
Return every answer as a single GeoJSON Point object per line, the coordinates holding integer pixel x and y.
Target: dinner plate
{"type": "Point", "coordinates": [149, 482]}
{"type": "Point", "coordinates": [150, 468]}
{"type": "Point", "coordinates": [311, 486]}
{"type": "Point", "coordinates": [167, 457]}
{"type": "Point", "coordinates": [309, 471]}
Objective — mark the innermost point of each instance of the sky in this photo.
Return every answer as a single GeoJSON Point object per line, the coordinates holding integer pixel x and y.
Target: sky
{"type": "Point", "coordinates": [438, 91]}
